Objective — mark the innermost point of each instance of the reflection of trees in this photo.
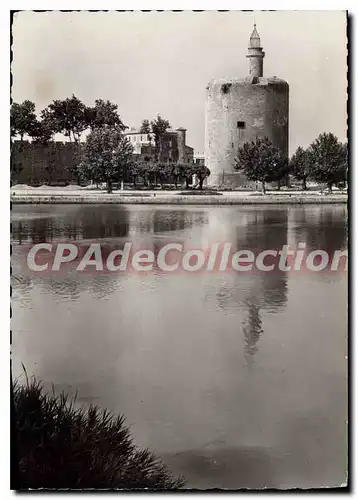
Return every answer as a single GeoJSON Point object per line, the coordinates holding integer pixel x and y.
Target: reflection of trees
{"type": "Point", "coordinates": [324, 227]}
{"type": "Point", "coordinates": [103, 221]}
{"type": "Point", "coordinates": [69, 286]}
{"type": "Point", "coordinates": [87, 222]}
{"type": "Point", "coordinates": [162, 220]}
{"type": "Point", "coordinates": [35, 230]}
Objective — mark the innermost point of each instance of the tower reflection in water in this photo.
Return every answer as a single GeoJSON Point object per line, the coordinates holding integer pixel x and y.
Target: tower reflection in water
{"type": "Point", "coordinates": [255, 292]}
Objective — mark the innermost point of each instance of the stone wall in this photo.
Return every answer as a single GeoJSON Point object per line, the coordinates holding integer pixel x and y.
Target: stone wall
{"type": "Point", "coordinates": [238, 111]}
{"type": "Point", "coordinates": [34, 164]}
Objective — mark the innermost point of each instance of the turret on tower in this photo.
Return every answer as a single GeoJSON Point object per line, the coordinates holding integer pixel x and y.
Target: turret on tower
{"type": "Point", "coordinates": [255, 54]}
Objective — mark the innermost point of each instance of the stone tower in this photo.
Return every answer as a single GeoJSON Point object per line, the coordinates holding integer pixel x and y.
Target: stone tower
{"type": "Point", "coordinates": [239, 110]}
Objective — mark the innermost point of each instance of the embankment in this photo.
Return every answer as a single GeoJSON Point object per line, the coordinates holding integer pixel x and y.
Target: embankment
{"type": "Point", "coordinates": [175, 199]}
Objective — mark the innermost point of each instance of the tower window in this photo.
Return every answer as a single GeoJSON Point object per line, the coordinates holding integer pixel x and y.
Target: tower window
{"type": "Point", "coordinates": [241, 125]}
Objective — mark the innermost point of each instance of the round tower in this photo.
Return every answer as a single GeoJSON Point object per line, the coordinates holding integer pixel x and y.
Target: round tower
{"type": "Point", "coordinates": [239, 110]}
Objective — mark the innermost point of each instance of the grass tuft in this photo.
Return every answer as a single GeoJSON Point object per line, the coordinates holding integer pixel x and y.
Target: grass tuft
{"type": "Point", "coordinates": [61, 446]}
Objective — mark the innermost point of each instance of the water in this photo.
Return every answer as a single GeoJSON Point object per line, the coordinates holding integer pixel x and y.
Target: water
{"type": "Point", "coordinates": [235, 380]}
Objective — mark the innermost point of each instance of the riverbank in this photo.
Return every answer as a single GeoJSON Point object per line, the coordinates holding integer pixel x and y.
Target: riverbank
{"type": "Point", "coordinates": [37, 196]}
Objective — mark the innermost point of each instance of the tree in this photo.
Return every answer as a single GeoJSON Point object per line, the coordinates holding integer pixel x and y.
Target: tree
{"type": "Point", "coordinates": [282, 169]}
{"type": "Point", "coordinates": [300, 165]}
{"type": "Point", "coordinates": [164, 172]}
{"type": "Point", "coordinates": [136, 169]}
{"type": "Point", "coordinates": [159, 126]}
{"type": "Point", "coordinates": [68, 117]}
{"type": "Point", "coordinates": [22, 119]}
{"type": "Point", "coordinates": [202, 172]}
{"type": "Point", "coordinates": [186, 170]}
{"type": "Point", "coordinates": [176, 173]}
{"type": "Point", "coordinates": [41, 132]}
{"type": "Point", "coordinates": [328, 159]}
{"type": "Point", "coordinates": [107, 154]}
{"type": "Point", "coordinates": [145, 127]}
{"type": "Point", "coordinates": [104, 113]}
{"type": "Point", "coordinates": [260, 161]}
{"type": "Point", "coordinates": [151, 171]}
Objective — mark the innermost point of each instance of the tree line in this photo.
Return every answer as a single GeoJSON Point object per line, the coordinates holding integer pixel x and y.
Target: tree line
{"type": "Point", "coordinates": [106, 154]}
{"type": "Point", "coordinates": [325, 160]}
{"type": "Point", "coordinates": [70, 117]}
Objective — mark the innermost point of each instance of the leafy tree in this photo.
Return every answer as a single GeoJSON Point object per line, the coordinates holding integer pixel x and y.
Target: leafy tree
{"type": "Point", "coordinates": [328, 160]}
{"type": "Point", "coordinates": [151, 171]}
{"type": "Point", "coordinates": [164, 172]}
{"type": "Point", "coordinates": [136, 169]}
{"type": "Point", "coordinates": [107, 153]}
{"type": "Point", "coordinates": [202, 172]}
{"type": "Point", "coordinates": [261, 161]}
{"type": "Point", "coordinates": [159, 126]}
{"type": "Point", "coordinates": [282, 169]}
{"type": "Point", "coordinates": [176, 173]}
{"type": "Point", "coordinates": [22, 119]}
{"type": "Point", "coordinates": [104, 113]}
{"type": "Point", "coordinates": [145, 127]}
{"type": "Point", "coordinates": [300, 164]}
{"type": "Point", "coordinates": [187, 170]}
{"type": "Point", "coordinates": [41, 132]}
{"type": "Point", "coordinates": [69, 117]}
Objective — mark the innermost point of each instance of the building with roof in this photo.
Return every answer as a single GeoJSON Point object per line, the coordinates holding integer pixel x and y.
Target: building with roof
{"type": "Point", "coordinates": [173, 146]}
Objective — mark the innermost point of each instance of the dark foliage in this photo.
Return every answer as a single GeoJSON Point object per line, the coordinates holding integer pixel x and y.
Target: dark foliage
{"type": "Point", "coordinates": [158, 127]}
{"type": "Point", "coordinates": [61, 446]}
{"type": "Point", "coordinates": [145, 127]}
{"type": "Point", "coordinates": [202, 172]}
{"type": "Point", "coordinates": [104, 113]}
{"type": "Point", "coordinates": [261, 161]}
{"type": "Point", "coordinates": [300, 164]}
{"type": "Point", "coordinates": [22, 118]}
{"type": "Point", "coordinates": [328, 160]}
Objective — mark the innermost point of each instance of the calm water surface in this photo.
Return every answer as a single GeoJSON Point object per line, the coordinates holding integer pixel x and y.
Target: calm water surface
{"type": "Point", "coordinates": [235, 380]}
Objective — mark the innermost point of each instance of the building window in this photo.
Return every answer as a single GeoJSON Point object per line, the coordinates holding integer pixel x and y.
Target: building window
{"type": "Point", "coordinates": [241, 125]}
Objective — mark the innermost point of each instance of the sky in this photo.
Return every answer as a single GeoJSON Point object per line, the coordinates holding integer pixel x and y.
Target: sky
{"type": "Point", "coordinates": [161, 62]}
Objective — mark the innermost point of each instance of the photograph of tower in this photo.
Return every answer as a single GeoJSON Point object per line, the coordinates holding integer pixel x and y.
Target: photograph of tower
{"type": "Point", "coordinates": [179, 250]}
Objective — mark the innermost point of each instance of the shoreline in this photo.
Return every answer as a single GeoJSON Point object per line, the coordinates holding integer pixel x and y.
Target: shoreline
{"type": "Point", "coordinates": [176, 199]}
